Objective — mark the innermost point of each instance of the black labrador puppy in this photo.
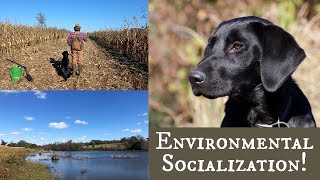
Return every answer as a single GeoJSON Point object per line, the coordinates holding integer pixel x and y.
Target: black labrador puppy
{"type": "Point", "coordinates": [251, 60]}
{"type": "Point", "coordinates": [65, 68]}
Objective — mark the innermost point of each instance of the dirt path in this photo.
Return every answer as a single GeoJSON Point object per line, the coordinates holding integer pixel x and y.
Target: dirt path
{"type": "Point", "coordinates": [102, 70]}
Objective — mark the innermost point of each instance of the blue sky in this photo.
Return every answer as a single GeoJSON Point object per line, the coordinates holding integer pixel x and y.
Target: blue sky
{"type": "Point", "coordinates": [43, 117]}
{"type": "Point", "coordinates": [90, 14]}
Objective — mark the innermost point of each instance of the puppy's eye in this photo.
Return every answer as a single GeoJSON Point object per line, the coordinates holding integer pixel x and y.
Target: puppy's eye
{"type": "Point", "coordinates": [236, 46]}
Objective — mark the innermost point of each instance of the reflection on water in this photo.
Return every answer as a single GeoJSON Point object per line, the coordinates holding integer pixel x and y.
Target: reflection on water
{"type": "Point", "coordinates": [96, 164]}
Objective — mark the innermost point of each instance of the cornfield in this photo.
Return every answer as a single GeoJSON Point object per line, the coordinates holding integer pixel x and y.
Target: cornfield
{"type": "Point", "coordinates": [35, 46]}
{"type": "Point", "coordinates": [15, 37]}
{"type": "Point", "coordinates": [131, 43]}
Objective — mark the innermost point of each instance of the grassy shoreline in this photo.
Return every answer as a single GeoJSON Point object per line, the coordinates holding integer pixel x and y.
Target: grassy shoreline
{"type": "Point", "coordinates": [14, 166]}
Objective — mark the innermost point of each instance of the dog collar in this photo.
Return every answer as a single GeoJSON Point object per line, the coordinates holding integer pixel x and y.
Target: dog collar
{"type": "Point", "coordinates": [276, 124]}
{"type": "Point", "coordinates": [281, 118]}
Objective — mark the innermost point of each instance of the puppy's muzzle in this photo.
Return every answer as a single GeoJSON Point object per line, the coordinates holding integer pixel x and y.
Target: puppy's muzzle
{"type": "Point", "coordinates": [196, 77]}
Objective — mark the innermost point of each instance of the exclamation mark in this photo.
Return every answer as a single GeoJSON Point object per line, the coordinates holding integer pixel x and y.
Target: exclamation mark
{"type": "Point", "coordinates": [303, 161]}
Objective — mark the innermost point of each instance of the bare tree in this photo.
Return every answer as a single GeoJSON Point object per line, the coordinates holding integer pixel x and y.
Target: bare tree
{"type": "Point", "coordinates": [145, 16]}
{"type": "Point", "coordinates": [41, 19]}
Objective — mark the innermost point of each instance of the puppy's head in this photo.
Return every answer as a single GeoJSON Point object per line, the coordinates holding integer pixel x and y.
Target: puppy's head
{"type": "Point", "coordinates": [243, 53]}
{"type": "Point", "coordinates": [65, 54]}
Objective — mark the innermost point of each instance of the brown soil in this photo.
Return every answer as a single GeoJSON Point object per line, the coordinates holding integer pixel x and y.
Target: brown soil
{"type": "Point", "coordinates": [102, 69]}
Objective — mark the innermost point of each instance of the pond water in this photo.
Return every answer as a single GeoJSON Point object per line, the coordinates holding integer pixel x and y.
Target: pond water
{"type": "Point", "coordinates": [95, 164]}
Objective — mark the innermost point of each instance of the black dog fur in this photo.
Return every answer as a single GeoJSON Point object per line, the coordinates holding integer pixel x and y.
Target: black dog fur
{"type": "Point", "coordinates": [65, 68]}
{"type": "Point", "coordinates": [62, 67]}
{"type": "Point", "coordinates": [251, 60]}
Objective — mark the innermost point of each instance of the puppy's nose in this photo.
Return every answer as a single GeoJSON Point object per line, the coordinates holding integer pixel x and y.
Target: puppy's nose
{"type": "Point", "coordinates": [196, 77]}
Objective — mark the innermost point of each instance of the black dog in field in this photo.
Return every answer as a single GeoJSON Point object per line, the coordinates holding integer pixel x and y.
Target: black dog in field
{"type": "Point", "coordinates": [251, 60]}
{"type": "Point", "coordinates": [65, 68]}
{"type": "Point", "coordinates": [62, 67]}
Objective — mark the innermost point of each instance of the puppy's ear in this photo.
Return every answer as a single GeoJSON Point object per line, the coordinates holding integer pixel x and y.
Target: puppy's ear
{"type": "Point", "coordinates": [281, 55]}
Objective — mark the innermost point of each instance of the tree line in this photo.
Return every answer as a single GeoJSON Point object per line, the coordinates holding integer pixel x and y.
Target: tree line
{"type": "Point", "coordinates": [125, 143]}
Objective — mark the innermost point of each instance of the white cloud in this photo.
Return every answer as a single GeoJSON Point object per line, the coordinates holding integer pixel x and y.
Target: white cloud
{"type": "Point", "coordinates": [15, 133]}
{"type": "Point", "coordinates": [2, 134]}
{"type": "Point", "coordinates": [37, 93]}
{"type": "Point", "coordinates": [132, 130]}
{"type": "Point", "coordinates": [143, 114]}
{"type": "Point", "coordinates": [27, 129]}
{"type": "Point", "coordinates": [42, 139]}
{"type": "Point", "coordinates": [40, 94]}
{"type": "Point", "coordinates": [68, 117]}
{"type": "Point", "coordinates": [81, 122]}
{"type": "Point", "coordinates": [58, 125]}
{"type": "Point", "coordinates": [82, 138]}
{"type": "Point", "coordinates": [29, 118]}
{"type": "Point", "coordinates": [12, 91]}
{"type": "Point", "coordinates": [136, 130]}
{"type": "Point", "coordinates": [42, 133]}
{"type": "Point", "coordinates": [144, 122]}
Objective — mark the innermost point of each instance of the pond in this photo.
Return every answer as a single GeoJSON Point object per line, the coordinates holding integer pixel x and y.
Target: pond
{"type": "Point", "coordinates": [118, 165]}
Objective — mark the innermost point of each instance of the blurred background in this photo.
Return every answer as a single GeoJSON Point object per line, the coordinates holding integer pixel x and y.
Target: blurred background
{"type": "Point", "coordinates": [177, 38]}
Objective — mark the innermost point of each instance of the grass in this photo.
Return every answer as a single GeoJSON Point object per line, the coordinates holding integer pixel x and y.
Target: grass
{"type": "Point", "coordinates": [14, 166]}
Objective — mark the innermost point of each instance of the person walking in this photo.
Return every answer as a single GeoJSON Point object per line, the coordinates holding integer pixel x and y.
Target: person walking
{"type": "Point", "coordinates": [76, 41]}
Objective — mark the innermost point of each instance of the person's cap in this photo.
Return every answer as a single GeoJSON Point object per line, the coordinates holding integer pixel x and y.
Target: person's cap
{"type": "Point", "coordinates": [77, 25]}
